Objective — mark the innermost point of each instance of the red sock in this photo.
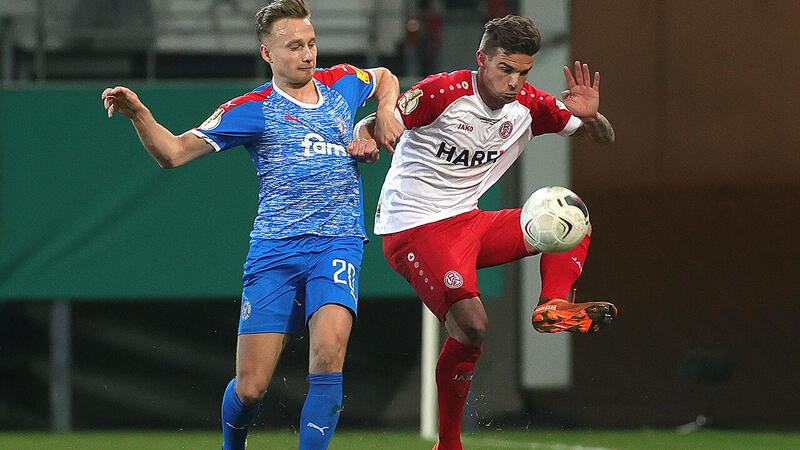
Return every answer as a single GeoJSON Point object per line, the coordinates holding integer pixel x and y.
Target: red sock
{"type": "Point", "coordinates": [559, 272]}
{"type": "Point", "coordinates": [453, 377]}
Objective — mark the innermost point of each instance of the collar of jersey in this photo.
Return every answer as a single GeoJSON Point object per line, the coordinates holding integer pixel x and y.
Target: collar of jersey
{"type": "Point", "coordinates": [298, 102]}
{"type": "Point", "coordinates": [489, 111]}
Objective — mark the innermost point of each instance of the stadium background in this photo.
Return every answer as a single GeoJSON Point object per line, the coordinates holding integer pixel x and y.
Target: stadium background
{"type": "Point", "coordinates": [694, 208]}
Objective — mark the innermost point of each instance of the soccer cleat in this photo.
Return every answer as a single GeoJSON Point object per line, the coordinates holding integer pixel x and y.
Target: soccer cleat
{"type": "Point", "coordinates": [561, 315]}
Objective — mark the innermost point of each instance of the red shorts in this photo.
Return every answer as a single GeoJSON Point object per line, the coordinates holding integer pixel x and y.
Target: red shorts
{"type": "Point", "coordinates": [440, 259]}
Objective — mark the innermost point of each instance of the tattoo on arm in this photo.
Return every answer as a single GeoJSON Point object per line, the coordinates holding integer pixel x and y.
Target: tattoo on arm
{"type": "Point", "coordinates": [600, 130]}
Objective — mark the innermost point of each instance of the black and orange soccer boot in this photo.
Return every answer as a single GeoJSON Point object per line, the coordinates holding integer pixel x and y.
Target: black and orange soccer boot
{"type": "Point", "coordinates": [560, 315]}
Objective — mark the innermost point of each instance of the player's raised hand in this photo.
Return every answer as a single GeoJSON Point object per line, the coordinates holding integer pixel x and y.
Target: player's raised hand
{"type": "Point", "coordinates": [364, 150]}
{"type": "Point", "coordinates": [582, 97]}
{"type": "Point", "coordinates": [121, 100]}
{"type": "Point", "coordinates": [387, 130]}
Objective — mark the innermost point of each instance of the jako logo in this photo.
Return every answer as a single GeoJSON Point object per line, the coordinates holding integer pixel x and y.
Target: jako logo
{"type": "Point", "coordinates": [315, 144]}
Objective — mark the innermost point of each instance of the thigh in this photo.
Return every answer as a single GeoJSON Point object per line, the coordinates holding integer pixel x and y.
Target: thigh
{"type": "Point", "coordinates": [272, 293]}
{"type": "Point", "coordinates": [334, 266]}
{"type": "Point", "coordinates": [328, 331]}
{"type": "Point", "coordinates": [438, 260]}
{"type": "Point", "coordinates": [256, 357]}
{"type": "Point", "coordinates": [501, 237]}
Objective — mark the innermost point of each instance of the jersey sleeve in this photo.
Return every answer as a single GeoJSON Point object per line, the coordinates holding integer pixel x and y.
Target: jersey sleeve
{"type": "Point", "coordinates": [237, 122]}
{"type": "Point", "coordinates": [355, 85]}
{"type": "Point", "coordinates": [548, 114]}
{"type": "Point", "coordinates": [426, 100]}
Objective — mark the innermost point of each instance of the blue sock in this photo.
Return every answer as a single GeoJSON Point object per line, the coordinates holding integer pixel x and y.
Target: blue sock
{"type": "Point", "coordinates": [236, 418]}
{"type": "Point", "coordinates": [321, 410]}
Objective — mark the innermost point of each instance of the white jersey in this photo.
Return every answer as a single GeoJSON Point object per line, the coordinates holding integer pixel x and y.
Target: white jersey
{"type": "Point", "coordinates": [454, 148]}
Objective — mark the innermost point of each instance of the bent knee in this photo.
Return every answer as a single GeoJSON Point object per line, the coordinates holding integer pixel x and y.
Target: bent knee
{"type": "Point", "coordinates": [466, 322]}
{"type": "Point", "coordinates": [472, 331]}
{"type": "Point", "coordinates": [250, 390]}
{"type": "Point", "coordinates": [475, 333]}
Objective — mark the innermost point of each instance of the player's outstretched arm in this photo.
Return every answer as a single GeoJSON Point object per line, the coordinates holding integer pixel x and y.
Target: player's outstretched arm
{"type": "Point", "coordinates": [582, 99]}
{"type": "Point", "coordinates": [167, 149]}
{"type": "Point", "coordinates": [387, 129]}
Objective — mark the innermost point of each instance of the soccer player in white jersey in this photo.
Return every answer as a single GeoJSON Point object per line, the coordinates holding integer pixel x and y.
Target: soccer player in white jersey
{"type": "Point", "coordinates": [307, 240]}
{"type": "Point", "coordinates": [463, 130]}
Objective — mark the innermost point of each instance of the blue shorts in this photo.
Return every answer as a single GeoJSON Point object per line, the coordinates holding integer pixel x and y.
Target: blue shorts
{"type": "Point", "coordinates": [288, 280]}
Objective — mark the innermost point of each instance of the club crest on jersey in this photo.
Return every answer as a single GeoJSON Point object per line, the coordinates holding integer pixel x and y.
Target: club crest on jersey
{"type": "Point", "coordinates": [213, 121]}
{"type": "Point", "coordinates": [505, 129]}
{"type": "Point", "coordinates": [467, 158]}
{"type": "Point", "coordinates": [341, 125]}
{"type": "Point", "coordinates": [409, 101]}
{"type": "Point", "coordinates": [314, 144]}
{"type": "Point", "coordinates": [453, 279]}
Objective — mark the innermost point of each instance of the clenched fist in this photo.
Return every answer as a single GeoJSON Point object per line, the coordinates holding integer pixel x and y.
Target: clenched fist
{"type": "Point", "coordinates": [364, 150]}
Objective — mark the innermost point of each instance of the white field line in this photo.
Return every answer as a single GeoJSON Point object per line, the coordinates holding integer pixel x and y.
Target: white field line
{"type": "Point", "coordinates": [498, 443]}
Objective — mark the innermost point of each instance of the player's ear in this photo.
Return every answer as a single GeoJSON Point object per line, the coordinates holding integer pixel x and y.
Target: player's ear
{"type": "Point", "coordinates": [481, 57]}
{"type": "Point", "coordinates": [265, 54]}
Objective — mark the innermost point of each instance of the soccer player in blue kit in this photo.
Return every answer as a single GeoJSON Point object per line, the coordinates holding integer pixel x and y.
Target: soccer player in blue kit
{"type": "Point", "coordinates": [306, 245]}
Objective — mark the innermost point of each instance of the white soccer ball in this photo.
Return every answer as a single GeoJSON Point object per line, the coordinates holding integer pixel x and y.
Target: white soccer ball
{"type": "Point", "coordinates": [554, 219]}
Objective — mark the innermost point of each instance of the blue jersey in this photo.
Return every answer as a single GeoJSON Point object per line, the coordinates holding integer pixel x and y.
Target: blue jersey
{"type": "Point", "coordinates": [309, 184]}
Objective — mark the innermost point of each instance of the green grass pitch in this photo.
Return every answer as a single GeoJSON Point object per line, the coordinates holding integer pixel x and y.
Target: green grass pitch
{"type": "Point", "coordinates": [372, 439]}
